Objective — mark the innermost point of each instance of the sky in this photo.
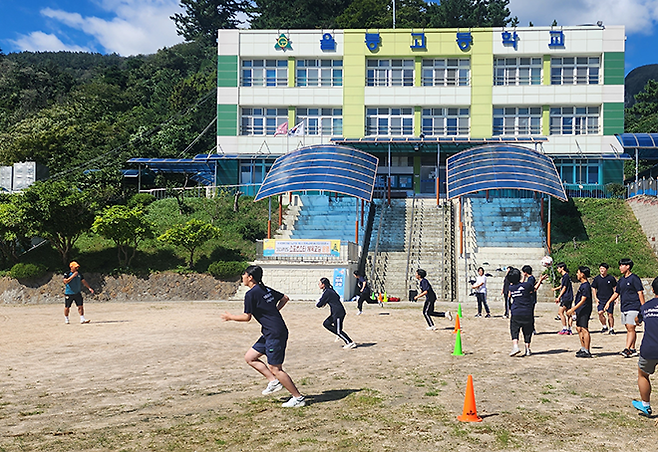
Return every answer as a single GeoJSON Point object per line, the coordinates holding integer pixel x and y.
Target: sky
{"type": "Point", "coordinates": [131, 27]}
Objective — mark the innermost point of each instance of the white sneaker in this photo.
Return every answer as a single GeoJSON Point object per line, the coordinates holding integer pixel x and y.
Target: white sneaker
{"type": "Point", "coordinates": [527, 352]}
{"type": "Point", "coordinates": [349, 346]}
{"type": "Point", "coordinates": [273, 386]}
{"type": "Point", "coordinates": [515, 351]}
{"type": "Point", "coordinates": [294, 402]}
{"type": "Point", "coordinates": [359, 313]}
{"type": "Point", "coordinates": [85, 321]}
{"type": "Point", "coordinates": [431, 328]}
{"type": "Point", "coordinates": [449, 315]}
{"type": "Point", "coordinates": [66, 320]}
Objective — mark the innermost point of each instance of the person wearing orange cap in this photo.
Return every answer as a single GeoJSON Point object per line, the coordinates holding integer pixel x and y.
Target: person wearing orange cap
{"type": "Point", "coordinates": [72, 292]}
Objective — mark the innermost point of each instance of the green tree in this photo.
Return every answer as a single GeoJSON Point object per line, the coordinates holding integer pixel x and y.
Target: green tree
{"type": "Point", "coordinates": [202, 18]}
{"type": "Point", "coordinates": [58, 212]}
{"type": "Point", "coordinates": [642, 117]}
{"type": "Point", "coordinates": [126, 228]}
{"type": "Point", "coordinates": [190, 236]}
{"type": "Point", "coordinates": [298, 14]}
{"type": "Point", "coordinates": [13, 229]}
{"type": "Point", "coordinates": [470, 13]}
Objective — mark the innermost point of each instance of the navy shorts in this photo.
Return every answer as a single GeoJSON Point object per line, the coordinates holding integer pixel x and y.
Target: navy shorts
{"type": "Point", "coordinates": [273, 348]}
{"type": "Point", "coordinates": [582, 318]}
{"type": "Point", "coordinates": [69, 299]}
{"type": "Point", "coordinates": [601, 307]}
{"type": "Point", "coordinates": [566, 303]}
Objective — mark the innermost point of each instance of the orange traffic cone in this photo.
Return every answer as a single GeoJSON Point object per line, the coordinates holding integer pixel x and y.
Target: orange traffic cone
{"type": "Point", "coordinates": [457, 325]}
{"type": "Point", "coordinates": [470, 413]}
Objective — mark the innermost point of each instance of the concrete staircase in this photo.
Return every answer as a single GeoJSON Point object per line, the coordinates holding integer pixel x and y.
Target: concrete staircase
{"type": "Point", "coordinates": [410, 236]}
{"type": "Point", "coordinates": [645, 209]}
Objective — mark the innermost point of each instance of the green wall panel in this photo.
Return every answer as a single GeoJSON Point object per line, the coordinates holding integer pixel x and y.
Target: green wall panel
{"type": "Point", "coordinates": [613, 171]}
{"type": "Point", "coordinates": [227, 71]}
{"type": "Point", "coordinates": [613, 118]}
{"type": "Point", "coordinates": [613, 68]}
{"type": "Point", "coordinates": [227, 120]}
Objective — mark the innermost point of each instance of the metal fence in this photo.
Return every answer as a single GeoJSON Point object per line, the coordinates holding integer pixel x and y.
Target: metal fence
{"type": "Point", "coordinates": [647, 187]}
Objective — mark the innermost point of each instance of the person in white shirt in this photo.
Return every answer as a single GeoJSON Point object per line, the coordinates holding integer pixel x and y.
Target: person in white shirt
{"type": "Point", "coordinates": [480, 288]}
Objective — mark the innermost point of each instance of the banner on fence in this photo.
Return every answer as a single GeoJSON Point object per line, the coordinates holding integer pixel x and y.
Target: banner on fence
{"type": "Point", "coordinates": [273, 247]}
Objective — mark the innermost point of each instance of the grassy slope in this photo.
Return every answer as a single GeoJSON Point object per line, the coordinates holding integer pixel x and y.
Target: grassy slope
{"type": "Point", "coordinates": [237, 241]}
{"type": "Point", "coordinates": [605, 230]}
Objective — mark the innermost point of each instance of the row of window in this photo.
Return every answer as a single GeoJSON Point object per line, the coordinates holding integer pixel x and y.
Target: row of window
{"type": "Point", "coordinates": [434, 72]}
{"type": "Point", "coordinates": [513, 121]}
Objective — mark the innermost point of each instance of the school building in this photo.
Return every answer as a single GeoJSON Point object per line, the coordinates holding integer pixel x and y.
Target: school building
{"type": "Point", "coordinates": [414, 97]}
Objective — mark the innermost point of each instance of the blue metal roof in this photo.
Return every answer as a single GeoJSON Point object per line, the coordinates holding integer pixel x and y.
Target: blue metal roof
{"type": "Point", "coordinates": [322, 167]}
{"type": "Point", "coordinates": [645, 144]}
{"type": "Point", "coordinates": [449, 139]}
{"type": "Point", "coordinates": [502, 167]}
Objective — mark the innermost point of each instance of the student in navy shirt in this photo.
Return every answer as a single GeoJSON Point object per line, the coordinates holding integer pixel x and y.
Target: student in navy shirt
{"type": "Point", "coordinates": [522, 309]}
{"type": "Point", "coordinates": [583, 310]}
{"type": "Point", "coordinates": [648, 351]}
{"type": "Point", "coordinates": [564, 298]}
{"type": "Point", "coordinates": [430, 298]}
{"type": "Point", "coordinates": [334, 323]}
{"type": "Point", "coordinates": [631, 293]}
{"type": "Point", "coordinates": [264, 305]}
{"type": "Point", "coordinates": [603, 287]}
{"type": "Point", "coordinates": [362, 290]}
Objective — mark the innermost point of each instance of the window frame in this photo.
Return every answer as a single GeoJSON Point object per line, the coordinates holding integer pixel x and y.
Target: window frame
{"type": "Point", "coordinates": [390, 72]}
{"type": "Point", "coordinates": [577, 122]}
{"type": "Point", "coordinates": [451, 119]}
{"type": "Point", "coordinates": [316, 123]}
{"type": "Point", "coordinates": [380, 118]}
{"type": "Point", "coordinates": [508, 71]}
{"type": "Point", "coordinates": [446, 72]}
{"type": "Point", "coordinates": [333, 72]}
{"type": "Point", "coordinates": [264, 120]}
{"type": "Point", "coordinates": [576, 71]}
{"type": "Point", "coordinates": [515, 121]}
{"type": "Point", "coordinates": [264, 72]}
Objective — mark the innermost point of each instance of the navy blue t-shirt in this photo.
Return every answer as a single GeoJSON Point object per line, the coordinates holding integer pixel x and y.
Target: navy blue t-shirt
{"type": "Point", "coordinates": [523, 301]}
{"type": "Point", "coordinates": [568, 293]}
{"type": "Point", "coordinates": [426, 286]}
{"type": "Point", "coordinates": [261, 303]}
{"type": "Point", "coordinates": [605, 287]}
{"type": "Point", "coordinates": [366, 289]}
{"type": "Point", "coordinates": [627, 288]}
{"type": "Point", "coordinates": [649, 314]}
{"type": "Point", "coordinates": [331, 298]}
{"type": "Point", "coordinates": [585, 290]}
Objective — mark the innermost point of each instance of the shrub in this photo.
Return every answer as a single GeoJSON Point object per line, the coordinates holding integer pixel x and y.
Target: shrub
{"type": "Point", "coordinates": [223, 270]}
{"type": "Point", "coordinates": [253, 231]}
{"type": "Point", "coordinates": [140, 200]}
{"type": "Point", "coordinates": [27, 271]}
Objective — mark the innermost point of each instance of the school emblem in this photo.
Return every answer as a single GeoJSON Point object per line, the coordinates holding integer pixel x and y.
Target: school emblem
{"type": "Point", "coordinates": [283, 43]}
{"type": "Point", "coordinates": [464, 40]}
{"type": "Point", "coordinates": [372, 41]}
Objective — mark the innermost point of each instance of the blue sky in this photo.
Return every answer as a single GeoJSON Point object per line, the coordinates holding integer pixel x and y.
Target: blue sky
{"type": "Point", "coordinates": [130, 27]}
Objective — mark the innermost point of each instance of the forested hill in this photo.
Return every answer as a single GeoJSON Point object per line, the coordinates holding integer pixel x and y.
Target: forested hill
{"type": "Point", "coordinates": [74, 111]}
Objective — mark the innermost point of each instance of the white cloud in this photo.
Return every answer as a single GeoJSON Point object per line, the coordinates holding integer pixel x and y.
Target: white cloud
{"type": "Point", "coordinates": [39, 41]}
{"type": "Point", "coordinates": [638, 16]}
{"type": "Point", "coordinates": [138, 26]}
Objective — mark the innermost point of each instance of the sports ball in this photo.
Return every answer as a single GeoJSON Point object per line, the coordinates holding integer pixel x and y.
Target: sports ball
{"type": "Point", "coordinates": [547, 261]}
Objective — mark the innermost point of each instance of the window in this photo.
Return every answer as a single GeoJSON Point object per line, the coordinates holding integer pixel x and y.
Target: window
{"type": "Point", "coordinates": [517, 121]}
{"type": "Point", "coordinates": [517, 71]}
{"type": "Point", "coordinates": [446, 72]}
{"type": "Point", "coordinates": [319, 73]}
{"type": "Point", "coordinates": [389, 121]}
{"type": "Point", "coordinates": [321, 121]}
{"type": "Point", "coordinates": [262, 121]}
{"type": "Point", "coordinates": [578, 171]}
{"type": "Point", "coordinates": [445, 121]}
{"type": "Point", "coordinates": [264, 73]}
{"type": "Point", "coordinates": [390, 72]}
{"type": "Point", "coordinates": [575, 71]}
{"type": "Point", "coordinates": [574, 121]}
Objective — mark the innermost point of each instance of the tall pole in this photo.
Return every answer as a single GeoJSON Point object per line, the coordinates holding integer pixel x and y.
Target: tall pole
{"type": "Point", "coordinates": [269, 217]}
{"type": "Point", "coordinates": [637, 164]}
{"type": "Point", "coordinates": [388, 185]}
{"type": "Point", "coordinates": [548, 226]}
{"type": "Point", "coordinates": [393, 14]}
{"type": "Point", "coordinates": [438, 172]}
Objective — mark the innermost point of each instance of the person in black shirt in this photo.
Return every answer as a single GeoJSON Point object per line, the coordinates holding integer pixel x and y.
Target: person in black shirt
{"type": "Point", "coordinates": [648, 360]}
{"type": "Point", "coordinates": [264, 305]}
{"type": "Point", "coordinates": [603, 287]}
{"type": "Point", "coordinates": [430, 298]}
{"type": "Point", "coordinates": [564, 298]}
{"type": "Point", "coordinates": [334, 323]}
{"type": "Point", "coordinates": [583, 310]}
{"type": "Point", "coordinates": [522, 309]}
{"type": "Point", "coordinates": [362, 290]}
{"type": "Point", "coordinates": [505, 293]}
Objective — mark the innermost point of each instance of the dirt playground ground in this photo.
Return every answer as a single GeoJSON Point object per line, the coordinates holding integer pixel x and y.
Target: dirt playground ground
{"type": "Point", "coordinates": [170, 376]}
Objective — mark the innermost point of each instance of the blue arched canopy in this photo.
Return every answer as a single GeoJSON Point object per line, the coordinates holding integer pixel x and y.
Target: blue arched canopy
{"type": "Point", "coordinates": [645, 144]}
{"type": "Point", "coordinates": [325, 167]}
{"type": "Point", "coordinates": [496, 167]}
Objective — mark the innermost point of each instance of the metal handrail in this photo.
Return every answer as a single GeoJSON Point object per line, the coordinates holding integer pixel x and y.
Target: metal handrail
{"type": "Point", "coordinates": [384, 208]}
{"type": "Point", "coordinates": [411, 233]}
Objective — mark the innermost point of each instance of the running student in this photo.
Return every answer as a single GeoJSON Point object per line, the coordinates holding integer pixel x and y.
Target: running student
{"type": "Point", "coordinates": [362, 290]}
{"type": "Point", "coordinates": [631, 293]}
{"type": "Point", "coordinates": [522, 309]}
{"type": "Point", "coordinates": [264, 305]}
{"type": "Point", "coordinates": [564, 298]}
{"type": "Point", "coordinates": [648, 351]}
{"type": "Point", "coordinates": [583, 310]}
{"type": "Point", "coordinates": [603, 287]}
{"type": "Point", "coordinates": [334, 323]}
{"type": "Point", "coordinates": [430, 298]}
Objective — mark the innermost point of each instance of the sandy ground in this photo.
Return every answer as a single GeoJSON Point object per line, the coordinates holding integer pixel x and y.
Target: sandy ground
{"type": "Point", "coordinates": [171, 376]}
